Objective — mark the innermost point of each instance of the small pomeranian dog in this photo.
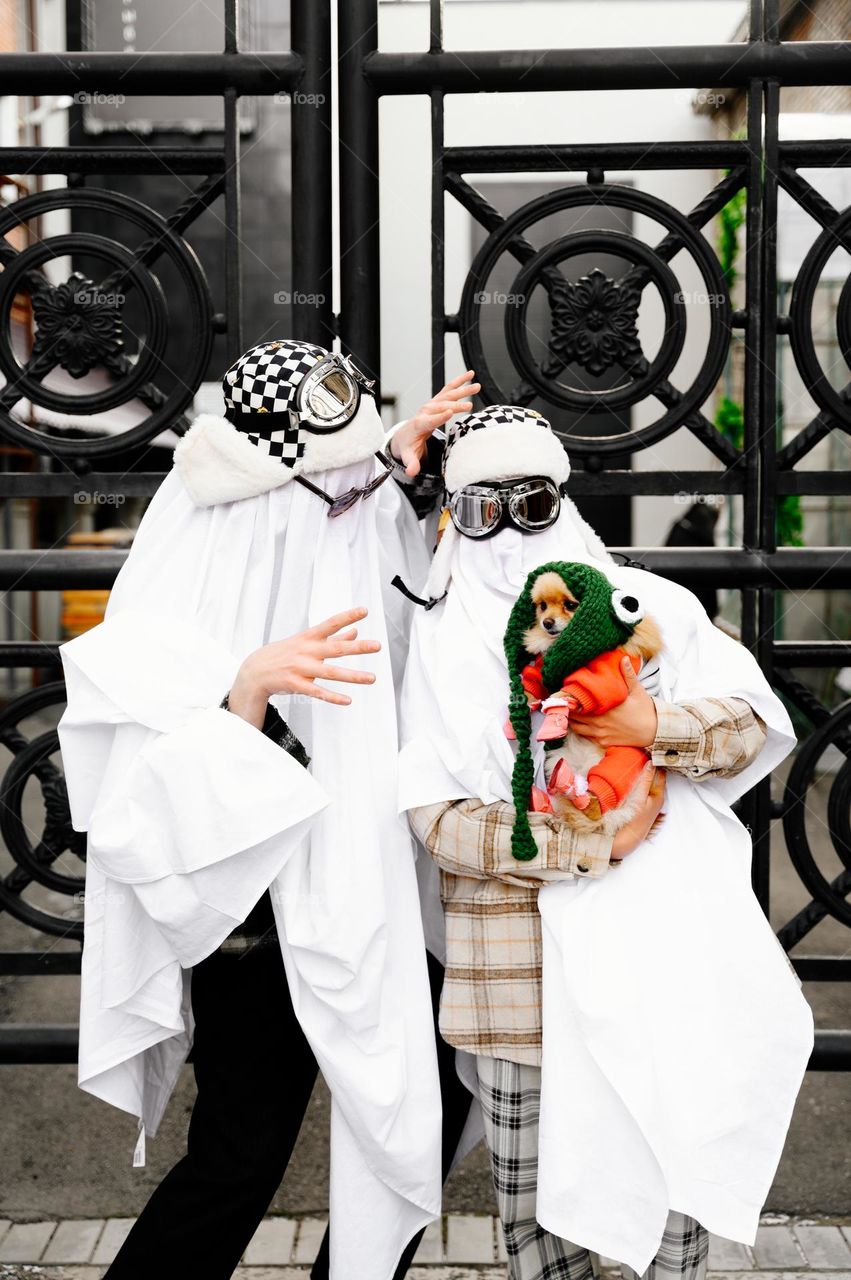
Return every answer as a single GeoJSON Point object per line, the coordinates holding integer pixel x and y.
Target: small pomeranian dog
{"type": "Point", "coordinates": [570, 760]}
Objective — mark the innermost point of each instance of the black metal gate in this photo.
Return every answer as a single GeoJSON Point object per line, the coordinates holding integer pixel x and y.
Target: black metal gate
{"type": "Point", "coordinates": [592, 329]}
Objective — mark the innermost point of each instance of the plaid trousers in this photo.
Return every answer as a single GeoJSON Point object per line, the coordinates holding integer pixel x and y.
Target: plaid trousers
{"type": "Point", "coordinates": [511, 1101]}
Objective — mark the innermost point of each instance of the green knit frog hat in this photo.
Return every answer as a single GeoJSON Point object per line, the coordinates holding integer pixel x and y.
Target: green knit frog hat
{"type": "Point", "coordinates": [605, 617]}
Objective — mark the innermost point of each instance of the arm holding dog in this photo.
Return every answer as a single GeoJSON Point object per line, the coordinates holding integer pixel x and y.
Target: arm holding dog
{"type": "Point", "coordinates": [473, 839]}
{"type": "Point", "coordinates": [704, 738]}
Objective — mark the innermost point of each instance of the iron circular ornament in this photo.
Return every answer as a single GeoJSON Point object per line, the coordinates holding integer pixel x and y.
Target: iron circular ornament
{"type": "Point", "coordinates": [35, 857]}
{"type": "Point", "coordinates": [801, 335]}
{"type": "Point", "coordinates": [158, 241]}
{"type": "Point", "coordinates": [66, 309]}
{"type": "Point", "coordinates": [801, 776]}
{"type": "Point", "coordinates": [681, 236]}
{"type": "Point", "coordinates": [598, 314]}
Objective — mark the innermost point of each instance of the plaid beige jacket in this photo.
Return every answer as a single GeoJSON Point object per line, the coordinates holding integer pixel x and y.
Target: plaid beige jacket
{"type": "Point", "coordinates": [491, 1002]}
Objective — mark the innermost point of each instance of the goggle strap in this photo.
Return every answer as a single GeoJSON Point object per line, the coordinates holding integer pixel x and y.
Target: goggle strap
{"type": "Point", "coordinates": [426, 604]}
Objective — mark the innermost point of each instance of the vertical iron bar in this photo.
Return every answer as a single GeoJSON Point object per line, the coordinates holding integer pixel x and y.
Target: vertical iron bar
{"type": "Point", "coordinates": [438, 248]}
{"type": "Point", "coordinates": [360, 265]}
{"type": "Point", "coordinates": [311, 116]}
{"type": "Point", "coordinates": [438, 221]}
{"type": "Point", "coordinates": [752, 810]}
{"type": "Point", "coordinates": [233, 218]}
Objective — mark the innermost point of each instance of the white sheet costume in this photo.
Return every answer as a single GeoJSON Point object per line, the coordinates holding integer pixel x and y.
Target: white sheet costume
{"type": "Point", "coordinates": [675, 1033]}
{"type": "Point", "coordinates": [192, 813]}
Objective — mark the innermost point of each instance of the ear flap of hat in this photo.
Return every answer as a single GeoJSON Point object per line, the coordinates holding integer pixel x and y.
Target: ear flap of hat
{"type": "Point", "coordinates": [440, 572]}
{"type": "Point", "coordinates": [217, 463]}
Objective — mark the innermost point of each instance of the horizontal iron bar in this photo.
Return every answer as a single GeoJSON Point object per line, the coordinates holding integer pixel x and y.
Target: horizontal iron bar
{"type": "Point", "coordinates": [29, 1043]}
{"type": "Point", "coordinates": [831, 1052]}
{"type": "Point", "coordinates": [817, 653]}
{"type": "Point", "coordinates": [813, 483]}
{"type": "Point", "coordinates": [634, 67]}
{"type": "Point", "coordinates": [788, 569]}
{"type": "Point", "coordinates": [143, 484]}
{"type": "Point", "coordinates": [606, 155]}
{"type": "Point", "coordinates": [163, 74]}
{"type": "Point", "coordinates": [110, 160]}
{"type": "Point", "coordinates": [56, 570]}
{"type": "Point", "coordinates": [64, 484]}
{"type": "Point", "coordinates": [822, 968]}
{"type": "Point", "coordinates": [28, 653]}
{"type": "Point", "coordinates": [617, 484]}
{"type": "Point", "coordinates": [829, 151]}
{"type": "Point", "coordinates": [29, 963]}
{"type": "Point", "coordinates": [22, 1042]}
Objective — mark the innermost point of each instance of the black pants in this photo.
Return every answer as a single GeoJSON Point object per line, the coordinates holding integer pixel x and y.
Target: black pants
{"type": "Point", "coordinates": [255, 1073]}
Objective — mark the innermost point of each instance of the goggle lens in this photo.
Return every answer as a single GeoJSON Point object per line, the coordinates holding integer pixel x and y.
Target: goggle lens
{"type": "Point", "coordinates": [330, 397]}
{"type": "Point", "coordinates": [476, 513]}
{"type": "Point", "coordinates": [536, 508]}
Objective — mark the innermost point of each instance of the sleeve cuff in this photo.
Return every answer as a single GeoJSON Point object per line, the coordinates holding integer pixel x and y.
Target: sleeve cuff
{"type": "Point", "coordinates": [586, 855]}
{"type": "Point", "coordinates": [678, 738]}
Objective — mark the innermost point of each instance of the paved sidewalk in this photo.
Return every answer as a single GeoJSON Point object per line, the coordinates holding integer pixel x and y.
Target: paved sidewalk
{"type": "Point", "coordinates": [460, 1247]}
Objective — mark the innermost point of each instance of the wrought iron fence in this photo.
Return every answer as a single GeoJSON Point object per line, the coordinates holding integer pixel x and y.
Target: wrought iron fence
{"type": "Point", "coordinates": [592, 329]}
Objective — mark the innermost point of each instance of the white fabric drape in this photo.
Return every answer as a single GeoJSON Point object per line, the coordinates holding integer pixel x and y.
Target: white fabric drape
{"type": "Point", "coordinates": [675, 1033]}
{"type": "Point", "coordinates": [192, 813]}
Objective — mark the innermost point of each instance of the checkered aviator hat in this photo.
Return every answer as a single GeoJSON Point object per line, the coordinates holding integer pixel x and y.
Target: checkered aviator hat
{"type": "Point", "coordinates": [267, 403]}
{"type": "Point", "coordinates": [500, 442]}
{"type": "Point", "coordinates": [264, 381]}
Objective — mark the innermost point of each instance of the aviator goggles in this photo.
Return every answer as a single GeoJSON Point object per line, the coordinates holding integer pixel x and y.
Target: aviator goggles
{"type": "Point", "coordinates": [329, 395]}
{"type": "Point", "coordinates": [530, 504]}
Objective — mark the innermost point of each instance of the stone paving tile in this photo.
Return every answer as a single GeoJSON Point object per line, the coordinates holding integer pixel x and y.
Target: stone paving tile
{"type": "Point", "coordinates": [779, 1275]}
{"type": "Point", "coordinates": [5, 1224]}
{"type": "Point", "coordinates": [431, 1245]}
{"type": "Point", "coordinates": [310, 1233]}
{"type": "Point", "coordinates": [824, 1246]}
{"type": "Point", "coordinates": [728, 1255]}
{"type": "Point", "coordinates": [26, 1241]}
{"type": "Point", "coordinates": [115, 1233]}
{"type": "Point", "coordinates": [776, 1247]}
{"type": "Point", "coordinates": [272, 1243]}
{"type": "Point", "coordinates": [470, 1238]}
{"type": "Point", "coordinates": [73, 1240]}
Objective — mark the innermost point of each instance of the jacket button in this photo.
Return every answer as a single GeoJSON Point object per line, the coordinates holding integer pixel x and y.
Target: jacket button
{"type": "Point", "coordinates": [671, 752]}
{"type": "Point", "coordinates": [582, 866]}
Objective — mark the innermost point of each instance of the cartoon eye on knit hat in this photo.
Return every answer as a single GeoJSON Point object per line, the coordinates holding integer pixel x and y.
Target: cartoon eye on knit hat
{"type": "Point", "coordinates": [291, 408]}
{"type": "Point", "coordinates": [626, 608]}
{"type": "Point", "coordinates": [565, 642]}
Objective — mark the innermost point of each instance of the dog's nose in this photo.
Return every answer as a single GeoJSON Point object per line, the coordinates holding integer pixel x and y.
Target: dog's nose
{"type": "Point", "coordinates": [549, 624]}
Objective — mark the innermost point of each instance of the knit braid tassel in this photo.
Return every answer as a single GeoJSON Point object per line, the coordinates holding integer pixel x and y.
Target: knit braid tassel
{"type": "Point", "coordinates": [523, 845]}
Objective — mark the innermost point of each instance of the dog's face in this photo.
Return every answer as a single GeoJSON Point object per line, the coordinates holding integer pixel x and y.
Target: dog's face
{"type": "Point", "coordinates": [555, 604]}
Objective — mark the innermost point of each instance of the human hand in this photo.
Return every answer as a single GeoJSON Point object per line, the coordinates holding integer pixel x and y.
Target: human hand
{"type": "Point", "coordinates": [651, 793]}
{"type": "Point", "coordinates": [408, 444]}
{"type": "Point", "coordinates": [295, 664]}
{"type": "Point", "coordinates": [633, 723]}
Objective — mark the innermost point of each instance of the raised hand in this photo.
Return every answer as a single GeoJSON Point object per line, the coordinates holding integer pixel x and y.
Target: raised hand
{"type": "Point", "coordinates": [408, 444]}
{"type": "Point", "coordinates": [295, 664]}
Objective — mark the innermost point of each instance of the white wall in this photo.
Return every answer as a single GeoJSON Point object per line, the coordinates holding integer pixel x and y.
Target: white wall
{"type": "Point", "coordinates": [539, 118]}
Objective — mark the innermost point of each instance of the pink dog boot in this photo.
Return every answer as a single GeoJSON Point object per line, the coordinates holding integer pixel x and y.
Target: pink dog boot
{"type": "Point", "coordinates": [508, 730]}
{"type": "Point", "coordinates": [555, 724]}
{"type": "Point", "coordinates": [540, 801]}
{"type": "Point", "coordinates": [562, 779]}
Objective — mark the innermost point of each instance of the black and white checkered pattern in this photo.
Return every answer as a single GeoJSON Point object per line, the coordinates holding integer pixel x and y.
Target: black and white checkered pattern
{"type": "Point", "coordinates": [265, 380]}
{"type": "Point", "coordinates": [491, 416]}
{"type": "Point", "coordinates": [511, 1100]}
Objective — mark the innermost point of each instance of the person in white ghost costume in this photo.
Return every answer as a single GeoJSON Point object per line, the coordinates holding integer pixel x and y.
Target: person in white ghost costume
{"type": "Point", "coordinates": [209, 837]}
{"type": "Point", "coordinates": [639, 1034]}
